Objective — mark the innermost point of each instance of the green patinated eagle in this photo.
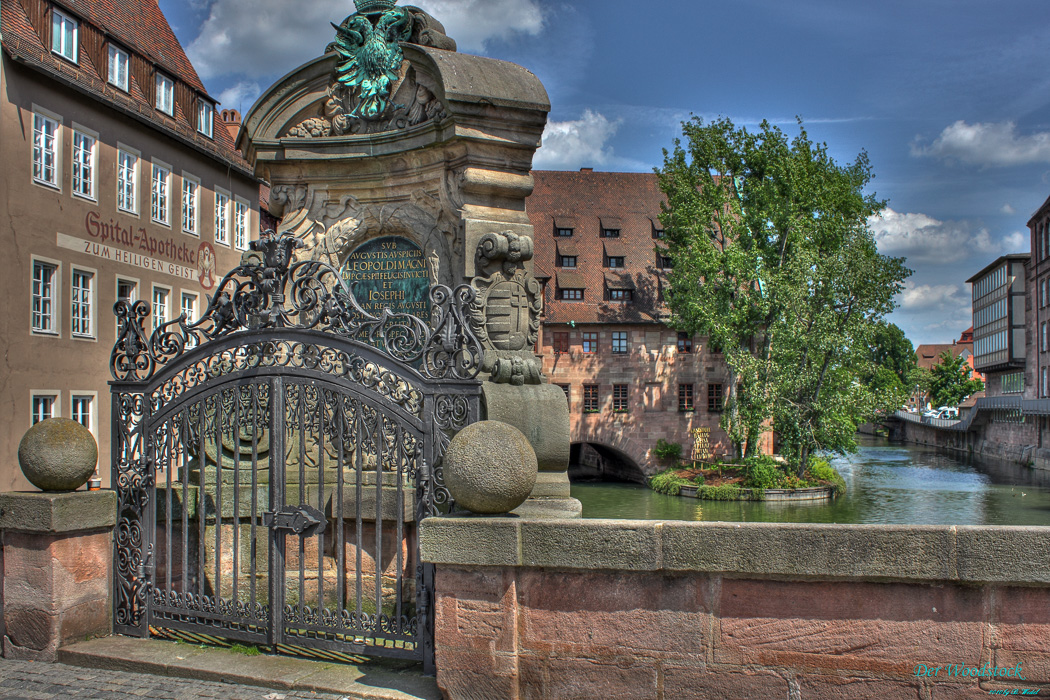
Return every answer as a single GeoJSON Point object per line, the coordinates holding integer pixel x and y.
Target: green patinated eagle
{"type": "Point", "coordinates": [371, 58]}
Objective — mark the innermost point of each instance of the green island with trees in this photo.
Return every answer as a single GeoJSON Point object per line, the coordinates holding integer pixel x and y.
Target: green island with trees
{"type": "Point", "coordinates": [775, 262]}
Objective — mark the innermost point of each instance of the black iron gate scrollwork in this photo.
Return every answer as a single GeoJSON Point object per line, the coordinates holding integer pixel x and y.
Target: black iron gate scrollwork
{"type": "Point", "coordinates": [273, 460]}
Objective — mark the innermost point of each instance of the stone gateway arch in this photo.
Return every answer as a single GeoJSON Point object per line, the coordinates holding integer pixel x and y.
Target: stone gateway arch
{"type": "Point", "coordinates": [275, 456]}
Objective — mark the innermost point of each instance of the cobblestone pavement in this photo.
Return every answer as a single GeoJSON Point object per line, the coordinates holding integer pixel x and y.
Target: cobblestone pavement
{"type": "Point", "coordinates": [27, 680]}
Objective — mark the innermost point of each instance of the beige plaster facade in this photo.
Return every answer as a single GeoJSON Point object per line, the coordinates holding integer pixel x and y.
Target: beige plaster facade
{"type": "Point", "coordinates": [89, 235]}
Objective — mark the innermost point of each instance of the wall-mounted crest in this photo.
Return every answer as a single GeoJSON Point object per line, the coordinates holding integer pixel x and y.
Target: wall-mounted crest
{"type": "Point", "coordinates": [370, 90]}
{"type": "Point", "coordinates": [506, 314]}
{"type": "Point", "coordinates": [371, 57]}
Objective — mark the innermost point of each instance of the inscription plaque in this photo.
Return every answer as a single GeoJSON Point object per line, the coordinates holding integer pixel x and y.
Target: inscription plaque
{"type": "Point", "coordinates": [389, 273]}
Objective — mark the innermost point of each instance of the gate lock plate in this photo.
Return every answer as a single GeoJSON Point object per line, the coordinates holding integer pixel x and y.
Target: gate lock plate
{"type": "Point", "coordinates": [300, 520]}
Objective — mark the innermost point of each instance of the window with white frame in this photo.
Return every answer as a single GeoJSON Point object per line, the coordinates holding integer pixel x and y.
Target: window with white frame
{"type": "Point", "coordinates": [63, 35]}
{"type": "Point", "coordinates": [205, 117]}
{"type": "Point", "coordinates": [165, 94]}
{"type": "Point", "coordinates": [43, 407]}
{"type": "Point", "coordinates": [119, 62]}
{"type": "Point", "coordinates": [160, 194]}
{"type": "Point", "coordinates": [84, 147]}
{"type": "Point", "coordinates": [127, 290]}
{"type": "Point", "coordinates": [44, 293]}
{"type": "Point", "coordinates": [127, 181]}
{"type": "Point", "coordinates": [222, 219]}
{"type": "Point", "coordinates": [160, 306]}
{"type": "Point", "coordinates": [241, 219]}
{"type": "Point", "coordinates": [190, 190]}
{"type": "Point", "coordinates": [188, 305]}
{"type": "Point", "coordinates": [82, 306]}
{"type": "Point", "coordinates": [81, 409]}
{"type": "Point", "coordinates": [45, 150]}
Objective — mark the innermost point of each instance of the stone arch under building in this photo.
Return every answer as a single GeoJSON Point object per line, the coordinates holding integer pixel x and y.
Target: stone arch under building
{"type": "Point", "coordinates": [594, 461]}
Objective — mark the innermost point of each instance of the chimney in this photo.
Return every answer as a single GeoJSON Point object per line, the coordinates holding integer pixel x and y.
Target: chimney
{"type": "Point", "coordinates": [232, 119]}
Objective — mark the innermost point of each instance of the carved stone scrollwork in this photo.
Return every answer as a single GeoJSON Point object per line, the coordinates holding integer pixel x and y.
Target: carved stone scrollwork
{"type": "Point", "coordinates": [505, 315]}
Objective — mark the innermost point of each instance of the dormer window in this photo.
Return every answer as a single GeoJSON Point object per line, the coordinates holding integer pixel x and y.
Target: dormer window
{"type": "Point", "coordinates": [118, 67]}
{"type": "Point", "coordinates": [205, 117]}
{"type": "Point", "coordinates": [621, 295]}
{"type": "Point", "coordinates": [563, 232]}
{"type": "Point", "coordinates": [610, 233]}
{"type": "Point", "coordinates": [614, 261]}
{"type": "Point", "coordinates": [665, 262]}
{"type": "Point", "coordinates": [165, 94]}
{"type": "Point", "coordinates": [566, 261]}
{"type": "Point", "coordinates": [64, 35]}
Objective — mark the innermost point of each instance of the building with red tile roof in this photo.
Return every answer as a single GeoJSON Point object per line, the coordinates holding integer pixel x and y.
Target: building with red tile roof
{"type": "Point", "coordinates": [630, 379]}
{"type": "Point", "coordinates": [117, 184]}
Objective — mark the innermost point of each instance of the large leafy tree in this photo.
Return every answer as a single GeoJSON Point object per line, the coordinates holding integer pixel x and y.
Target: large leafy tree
{"type": "Point", "coordinates": [891, 349]}
{"type": "Point", "coordinates": [775, 262]}
{"type": "Point", "coordinates": [951, 381]}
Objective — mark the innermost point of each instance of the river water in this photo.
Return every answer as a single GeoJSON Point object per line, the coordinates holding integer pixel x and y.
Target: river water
{"type": "Point", "coordinates": [886, 483]}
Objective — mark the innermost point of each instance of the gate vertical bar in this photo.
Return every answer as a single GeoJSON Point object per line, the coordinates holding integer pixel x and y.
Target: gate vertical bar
{"type": "Point", "coordinates": [426, 486]}
{"type": "Point", "coordinates": [276, 537]}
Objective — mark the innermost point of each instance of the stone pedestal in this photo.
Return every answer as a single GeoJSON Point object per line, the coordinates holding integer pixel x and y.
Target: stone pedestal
{"type": "Point", "coordinates": [542, 414]}
{"type": "Point", "coordinates": [57, 567]}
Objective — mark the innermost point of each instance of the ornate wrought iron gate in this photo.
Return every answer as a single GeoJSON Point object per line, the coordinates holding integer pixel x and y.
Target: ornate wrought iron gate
{"type": "Point", "coordinates": [274, 458]}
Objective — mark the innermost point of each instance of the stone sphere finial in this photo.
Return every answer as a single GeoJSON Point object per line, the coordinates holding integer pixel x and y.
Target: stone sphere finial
{"type": "Point", "coordinates": [490, 468]}
{"type": "Point", "coordinates": [374, 7]}
{"type": "Point", "coordinates": [58, 454]}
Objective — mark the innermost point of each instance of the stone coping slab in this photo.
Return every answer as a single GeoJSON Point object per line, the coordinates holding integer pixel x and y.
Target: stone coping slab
{"type": "Point", "coordinates": [374, 680]}
{"type": "Point", "coordinates": [965, 554]}
{"type": "Point", "coordinates": [71, 511]}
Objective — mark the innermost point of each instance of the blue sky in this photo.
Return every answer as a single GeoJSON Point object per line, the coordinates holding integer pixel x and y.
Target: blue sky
{"type": "Point", "coordinates": [950, 98]}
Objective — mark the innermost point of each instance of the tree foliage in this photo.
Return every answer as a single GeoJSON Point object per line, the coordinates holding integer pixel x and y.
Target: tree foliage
{"type": "Point", "coordinates": [891, 349]}
{"type": "Point", "coordinates": [774, 261]}
{"type": "Point", "coordinates": [951, 382]}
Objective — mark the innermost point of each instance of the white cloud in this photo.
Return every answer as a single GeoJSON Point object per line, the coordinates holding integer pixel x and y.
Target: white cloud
{"type": "Point", "coordinates": [1008, 210]}
{"type": "Point", "coordinates": [240, 96]}
{"type": "Point", "coordinates": [987, 144]}
{"type": "Point", "coordinates": [576, 144]}
{"type": "Point", "coordinates": [934, 313]}
{"type": "Point", "coordinates": [921, 238]}
{"type": "Point", "coordinates": [260, 38]}
{"type": "Point", "coordinates": [1017, 242]}
{"type": "Point", "coordinates": [474, 22]}
{"type": "Point", "coordinates": [930, 296]}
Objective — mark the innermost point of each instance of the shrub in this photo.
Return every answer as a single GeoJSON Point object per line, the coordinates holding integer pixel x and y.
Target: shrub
{"type": "Point", "coordinates": [667, 450]}
{"type": "Point", "coordinates": [763, 475]}
{"type": "Point", "coordinates": [821, 470]}
{"type": "Point", "coordinates": [668, 482]}
{"type": "Point", "coordinates": [725, 492]}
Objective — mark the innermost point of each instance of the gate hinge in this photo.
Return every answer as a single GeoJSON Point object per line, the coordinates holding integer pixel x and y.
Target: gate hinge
{"type": "Point", "coordinates": [144, 574]}
{"type": "Point", "coordinates": [301, 520]}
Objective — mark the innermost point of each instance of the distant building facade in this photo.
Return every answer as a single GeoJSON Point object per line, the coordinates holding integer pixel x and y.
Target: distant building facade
{"type": "Point", "coordinates": [119, 182]}
{"type": "Point", "coordinates": [999, 327]}
{"type": "Point", "coordinates": [629, 378]}
{"type": "Point", "coordinates": [929, 354]}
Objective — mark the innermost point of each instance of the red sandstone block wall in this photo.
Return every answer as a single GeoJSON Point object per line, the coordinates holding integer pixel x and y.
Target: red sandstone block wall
{"type": "Point", "coordinates": [556, 635]}
{"type": "Point", "coordinates": [56, 590]}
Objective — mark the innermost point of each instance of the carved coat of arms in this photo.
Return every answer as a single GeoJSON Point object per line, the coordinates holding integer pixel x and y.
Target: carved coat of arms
{"type": "Point", "coordinates": [506, 315]}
